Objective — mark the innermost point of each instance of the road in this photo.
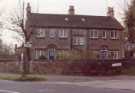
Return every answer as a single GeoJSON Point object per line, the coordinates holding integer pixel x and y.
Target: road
{"type": "Point", "coordinates": [54, 87]}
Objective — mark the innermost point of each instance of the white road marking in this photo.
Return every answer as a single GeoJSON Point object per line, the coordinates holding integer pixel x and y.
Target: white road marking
{"type": "Point", "coordinates": [8, 91]}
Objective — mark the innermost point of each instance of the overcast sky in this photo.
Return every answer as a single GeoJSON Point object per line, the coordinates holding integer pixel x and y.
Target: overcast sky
{"type": "Point", "coordinates": [83, 7]}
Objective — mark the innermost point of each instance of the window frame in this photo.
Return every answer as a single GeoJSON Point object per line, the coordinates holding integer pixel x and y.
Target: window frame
{"type": "Point", "coordinates": [115, 35]}
{"type": "Point", "coordinates": [79, 41]}
{"type": "Point", "coordinates": [63, 33]}
{"type": "Point", "coordinates": [52, 33]}
{"type": "Point", "coordinates": [41, 33]}
{"type": "Point", "coordinates": [39, 52]}
{"type": "Point", "coordinates": [115, 54]}
{"type": "Point", "coordinates": [93, 34]}
{"type": "Point", "coordinates": [104, 35]}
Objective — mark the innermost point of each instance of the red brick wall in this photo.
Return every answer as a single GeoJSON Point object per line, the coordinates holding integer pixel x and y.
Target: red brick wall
{"type": "Point", "coordinates": [57, 67]}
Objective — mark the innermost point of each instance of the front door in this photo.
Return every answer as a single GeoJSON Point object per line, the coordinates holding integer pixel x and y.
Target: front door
{"type": "Point", "coordinates": [51, 54]}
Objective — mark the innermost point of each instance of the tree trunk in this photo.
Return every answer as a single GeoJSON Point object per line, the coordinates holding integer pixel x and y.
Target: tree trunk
{"type": "Point", "coordinates": [26, 63]}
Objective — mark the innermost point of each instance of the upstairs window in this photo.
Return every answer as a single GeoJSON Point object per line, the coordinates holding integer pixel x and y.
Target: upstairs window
{"type": "Point", "coordinates": [52, 33]}
{"type": "Point", "coordinates": [78, 41]}
{"type": "Point", "coordinates": [93, 34]}
{"type": "Point", "coordinates": [114, 35]}
{"type": "Point", "coordinates": [63, 33]}
{"type": "Point", "coordinates": [40, 33]}
{"type": "Point", "coordinates": [103, 35]}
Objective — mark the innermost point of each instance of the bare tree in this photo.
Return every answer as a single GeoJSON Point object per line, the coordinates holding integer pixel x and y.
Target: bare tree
{"type": "Point", "coordinates": [18, 20]}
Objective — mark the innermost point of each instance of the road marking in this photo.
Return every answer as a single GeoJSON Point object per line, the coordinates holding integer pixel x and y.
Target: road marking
{"type": "Point", "coordinates": [8, 91]}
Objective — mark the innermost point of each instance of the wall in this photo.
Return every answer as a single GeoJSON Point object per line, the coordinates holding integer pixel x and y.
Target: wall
{"type": "Point", "coordinates": [63, 68]}
{"type": "Point", "coordinates": [10, 67]}
{"type": "Point", "coordinates": [58, 67]}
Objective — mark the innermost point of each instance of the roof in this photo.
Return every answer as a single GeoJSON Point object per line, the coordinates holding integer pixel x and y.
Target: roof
{"type": "Point", "coordinates": [80, 21]}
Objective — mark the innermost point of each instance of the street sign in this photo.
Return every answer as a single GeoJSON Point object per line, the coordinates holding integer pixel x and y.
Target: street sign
{"type": "Point", "coordinates": [28, 45]}
{"type": "Point", "coordinates": [117, 65]}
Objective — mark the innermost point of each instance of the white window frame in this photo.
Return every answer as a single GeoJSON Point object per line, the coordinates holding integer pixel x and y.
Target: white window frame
{"type": "Point", "coordinates": [115, 54]}
{"type": "Point", "coordinates": [82, 41]}
{"type": "Point", "coordinates": [94, 34]}
{"type": "Point", "coordinates": [39, 52]}
{"type": "Point", "coordinates": [41, 33]}
{"type": "Point", "coordinates": [52, 33]}
{"type": "Point", "coordinates": [104, 35]}
{"type": "Point", "coordinates": [75, 41]}
{"type": "Point", "coordinates": [115, 35]}
{"type": "Point", "coordinates": [63, 33]}
{"type": "Point", "coordinates": [79, 41]}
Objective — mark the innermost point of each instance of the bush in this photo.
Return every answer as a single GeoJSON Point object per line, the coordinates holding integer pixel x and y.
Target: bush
{"type": "Point", "coordinates": [129, 71]}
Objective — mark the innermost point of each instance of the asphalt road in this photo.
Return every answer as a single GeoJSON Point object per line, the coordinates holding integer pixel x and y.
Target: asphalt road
{"type": "Point", "coordinates": [52, 87]}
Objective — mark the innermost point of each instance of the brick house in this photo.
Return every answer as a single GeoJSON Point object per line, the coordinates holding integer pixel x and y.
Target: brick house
{"type": "Point", "coordinates": [52, 35]}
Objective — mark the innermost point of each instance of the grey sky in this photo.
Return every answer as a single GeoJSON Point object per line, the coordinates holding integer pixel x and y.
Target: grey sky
{"type": "Point", "coordinates": [86, 7]}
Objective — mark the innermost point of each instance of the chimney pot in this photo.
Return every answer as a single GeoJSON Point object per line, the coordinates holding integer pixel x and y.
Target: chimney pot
{"type": "Point", "coordinates": [28, 8]}
{"type": "Point", "coordinates": [71, 10]}
{"type": "Point", "coordinates": [110, 12]}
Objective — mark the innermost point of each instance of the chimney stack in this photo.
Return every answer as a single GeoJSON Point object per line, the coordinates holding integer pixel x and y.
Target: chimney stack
{"type": "Point", "coordinates": [28, 9]}
{"type": "Point", "coordinates": [110, 12]}
{"type": "Point", "coordinates": [71, 10]}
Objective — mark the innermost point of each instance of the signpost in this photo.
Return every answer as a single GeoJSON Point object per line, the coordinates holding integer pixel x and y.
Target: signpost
{"type": "Point", "coordinates": [28, 45]}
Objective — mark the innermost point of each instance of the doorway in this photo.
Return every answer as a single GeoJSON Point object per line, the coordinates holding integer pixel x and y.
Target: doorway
{"type": "Point", "coordinates": [51, 54]}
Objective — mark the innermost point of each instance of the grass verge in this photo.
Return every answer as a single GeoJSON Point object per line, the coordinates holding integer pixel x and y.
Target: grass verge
{"type": "Point", "coordinates": [17, 77]}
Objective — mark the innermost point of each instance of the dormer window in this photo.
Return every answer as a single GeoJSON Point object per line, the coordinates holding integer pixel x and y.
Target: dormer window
{"type": "Point", "coordinates": [66, 19]}
{"type": "Point", "coordinates": [83, 19]}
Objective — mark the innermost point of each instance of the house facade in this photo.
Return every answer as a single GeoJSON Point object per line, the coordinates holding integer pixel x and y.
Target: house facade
{"type": "Point", "coordinates": [54, 36]}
